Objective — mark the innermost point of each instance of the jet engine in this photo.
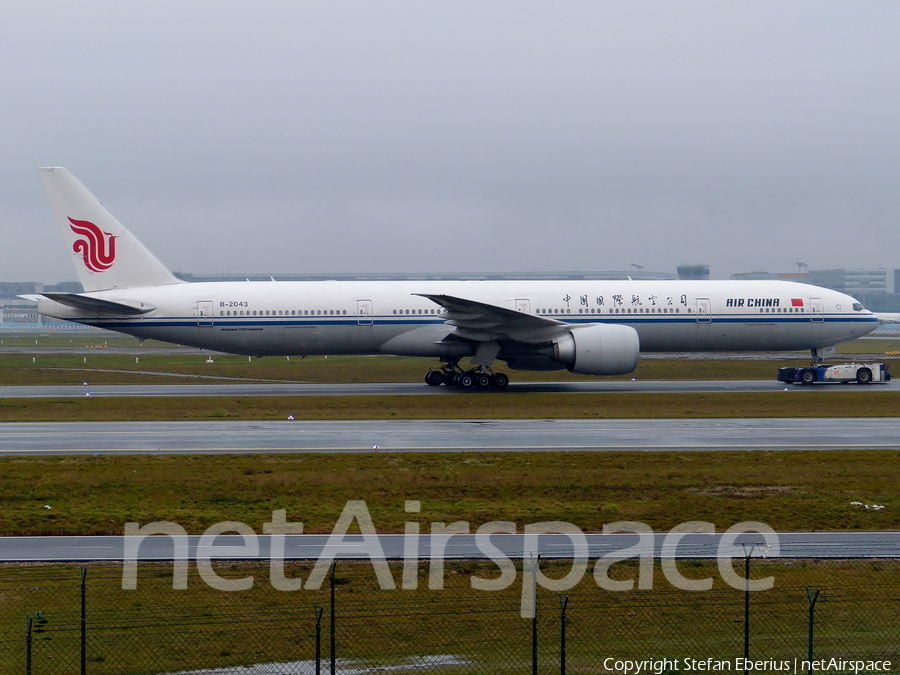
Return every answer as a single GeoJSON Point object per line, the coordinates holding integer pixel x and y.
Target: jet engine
{"type": "Point", "coordinates": [600, 349]}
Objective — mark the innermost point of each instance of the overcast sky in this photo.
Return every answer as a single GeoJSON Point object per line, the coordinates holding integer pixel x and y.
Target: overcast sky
{"type": "Point", "coordinates": [446, 137]}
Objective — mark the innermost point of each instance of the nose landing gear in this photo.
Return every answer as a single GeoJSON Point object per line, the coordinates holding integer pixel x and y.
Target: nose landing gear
{"type": "Point", "coordinates": [477, 378]}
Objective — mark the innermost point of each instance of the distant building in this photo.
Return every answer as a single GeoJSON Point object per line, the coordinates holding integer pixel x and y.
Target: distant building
{"type": "Point", "coordinates": [799, 277]}
{"type": "Point", "coordinates": [65, 287]}
{"type": "Point", "coordinates": [13, 288]}
{"type": "Point", "coordinates": [857, 283]}
{"type": "Point", "coordinates": [693, 272]}
{"type": "Point", "coordinates": [19, 314]}
{"type": "Point", "coordinates": [865, 282]}
{"type": "Point", "coordinates": [754, 276]}
{"type": "Point", "coordinates": [833, 279]}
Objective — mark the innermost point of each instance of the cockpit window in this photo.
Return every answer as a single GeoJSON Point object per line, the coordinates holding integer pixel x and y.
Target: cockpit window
{"type": "Point", "coordinates": [857, 307]}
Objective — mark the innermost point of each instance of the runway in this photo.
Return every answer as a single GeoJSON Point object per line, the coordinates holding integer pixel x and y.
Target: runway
{"type": "Point", "coordinates": [301, 436]}
{"type": "Point", "coordinates": [791, 545]}
{"type": "Point", "coordinates": [420, 389]}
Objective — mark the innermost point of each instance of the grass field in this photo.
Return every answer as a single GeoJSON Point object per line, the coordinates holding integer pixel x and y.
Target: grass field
{"type": "Point", "coordinates": [786, 490]}
{"type": "Point", "coordinates": [853, 401]}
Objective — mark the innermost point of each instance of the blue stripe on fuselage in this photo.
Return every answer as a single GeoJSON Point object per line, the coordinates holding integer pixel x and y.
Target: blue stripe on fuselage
{"type": "Point", "coordinates": [393, 321]}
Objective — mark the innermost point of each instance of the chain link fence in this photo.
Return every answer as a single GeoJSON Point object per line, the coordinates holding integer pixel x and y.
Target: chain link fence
{"type": "Point", "coordinates": [55, 619]}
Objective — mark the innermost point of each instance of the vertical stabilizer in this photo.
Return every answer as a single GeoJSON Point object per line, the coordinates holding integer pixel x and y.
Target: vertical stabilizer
{"type": "Point", "coordinates": [105, 254]}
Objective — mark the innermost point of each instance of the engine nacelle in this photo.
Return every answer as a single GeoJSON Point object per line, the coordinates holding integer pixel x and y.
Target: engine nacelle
{"type": "Point", "coordinates": [601, 349]}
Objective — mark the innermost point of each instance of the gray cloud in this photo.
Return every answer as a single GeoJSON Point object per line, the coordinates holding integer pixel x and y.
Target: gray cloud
{"type": "Point", "coordinates": [405, 136]}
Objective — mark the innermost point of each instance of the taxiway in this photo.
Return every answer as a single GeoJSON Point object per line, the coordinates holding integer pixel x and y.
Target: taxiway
{"type": "Point", "coordinates": [283, 436]}
{"type": "Point", "coordinates": [416, 389]}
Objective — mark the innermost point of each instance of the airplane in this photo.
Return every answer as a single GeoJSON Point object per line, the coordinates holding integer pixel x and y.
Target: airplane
{"type": "Point", "coordinates": [584, 326]}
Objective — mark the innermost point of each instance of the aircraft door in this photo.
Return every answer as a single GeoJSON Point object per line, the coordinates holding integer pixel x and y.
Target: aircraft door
{"type": "Point", "coordinates": [704, 314]}
{"type": "Point", "coordinates": [364, 313]}
{"type": "Point", "coordinates": [204, 313]}
{"type": "Point", "coordinates": [523, 305]}
{"type": "Point", "coordinates": [817, 308]}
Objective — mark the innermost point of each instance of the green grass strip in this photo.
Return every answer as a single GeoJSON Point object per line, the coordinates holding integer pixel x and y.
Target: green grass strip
{"type": "Point", "coordinates": [788, 490]}
{"type": "Point", "coordinates": [852, 402]}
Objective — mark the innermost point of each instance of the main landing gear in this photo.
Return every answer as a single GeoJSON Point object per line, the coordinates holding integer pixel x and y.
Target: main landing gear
{"type": "Point", "coordinates": [477, 378]}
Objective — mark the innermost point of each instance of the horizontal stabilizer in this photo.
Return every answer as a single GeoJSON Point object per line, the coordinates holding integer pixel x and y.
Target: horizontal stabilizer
{"type": "Point", "coordinates": [90, 304]}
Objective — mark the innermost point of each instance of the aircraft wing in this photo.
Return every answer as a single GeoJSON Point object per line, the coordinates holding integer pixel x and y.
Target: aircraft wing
{"type": "Point", "coordinates": [482, 322]}
{"type": "Point", "coordinates": [90, 304]}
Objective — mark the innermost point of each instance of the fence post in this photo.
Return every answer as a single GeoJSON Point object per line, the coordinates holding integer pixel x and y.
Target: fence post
{"type": "Point", "coordinates": [563, 604]}
{"type": "Point", "coordinates": [28, 645]}
{"type": "Point", "coordinates": [535, 561]}
{"type": "Point", "coordinates": [747, 555]}
{"type": "Point", "coordinates": [318, 610]}
{"type": "Point", "coordinates": [84, 621]}
{"type": "Point", "coordinates": [812, 616]}
{"type": "Point", "coordinates": [333, 660]}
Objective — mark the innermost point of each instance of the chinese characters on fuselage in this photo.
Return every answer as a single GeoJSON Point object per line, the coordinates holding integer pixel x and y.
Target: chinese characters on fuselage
{"type": "Point", "coordinates": [618, 300]}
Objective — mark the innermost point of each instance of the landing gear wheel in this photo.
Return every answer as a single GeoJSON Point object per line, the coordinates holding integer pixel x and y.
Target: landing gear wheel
{"type": "Point", "coordinates": [482, 380]}
{"type": "Point", "coordinates": [864, 376]}
{"type": "Point", "coordinates": [449, 377]}
{"type": "Point", "coordinates": [434, 378]}
{"type": "Point", "coordinates": [808, 377]}
{"type": "Point", "coordinates": [465, 381]}
{"type": "Point", "coordinates": [500, 380]}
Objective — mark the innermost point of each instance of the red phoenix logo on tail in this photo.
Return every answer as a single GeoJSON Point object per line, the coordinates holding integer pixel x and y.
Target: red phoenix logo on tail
{"type": "Point", "coordinates": [98, 251]}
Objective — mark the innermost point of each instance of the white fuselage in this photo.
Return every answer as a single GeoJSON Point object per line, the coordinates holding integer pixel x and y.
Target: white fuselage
{"type": "Point", "coordinates": [388, 317]}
